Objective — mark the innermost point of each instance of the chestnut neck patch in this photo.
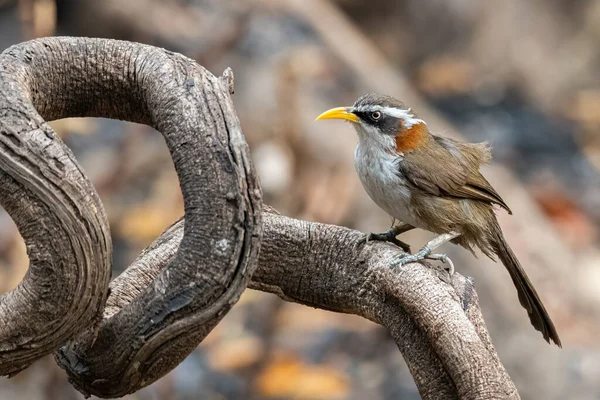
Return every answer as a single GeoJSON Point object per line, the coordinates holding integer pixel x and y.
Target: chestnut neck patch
{"type": "Point", "coordinates": [412, 138]}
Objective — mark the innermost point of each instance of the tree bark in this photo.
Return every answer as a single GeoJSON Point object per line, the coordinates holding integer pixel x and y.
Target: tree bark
{"type": "Point", "coordinates": [62, 221]}
{"type": "Point", "coordinates": [180, 287]}
{"type": "Point", "coordinates": [437, 325]}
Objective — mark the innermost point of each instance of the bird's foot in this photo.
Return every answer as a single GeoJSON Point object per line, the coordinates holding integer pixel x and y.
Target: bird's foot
{"type": "Point", "coordinates": [390, 236]}
{"type": "Point", "coordinates": [444, 259]}
{"type": "Point", "coordinates": [420, 255]}
{"type": "Point", "coordinates": [425, 254]}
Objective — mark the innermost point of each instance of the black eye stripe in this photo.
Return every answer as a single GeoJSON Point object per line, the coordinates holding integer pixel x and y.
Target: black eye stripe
{"type": "Point", "coordinates": [386, 124]}
{"type": "Point", "coordinates": [371, 117]}
{"type": "Point", "coordinates": [362, 115]}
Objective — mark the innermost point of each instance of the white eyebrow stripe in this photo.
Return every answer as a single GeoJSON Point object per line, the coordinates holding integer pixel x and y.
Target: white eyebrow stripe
{"type": "Point", "coordinates": [409, 119]}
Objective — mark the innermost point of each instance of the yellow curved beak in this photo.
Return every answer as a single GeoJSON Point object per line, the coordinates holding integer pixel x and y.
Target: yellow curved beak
{"type": "Point", "coordinates": [338, 113]}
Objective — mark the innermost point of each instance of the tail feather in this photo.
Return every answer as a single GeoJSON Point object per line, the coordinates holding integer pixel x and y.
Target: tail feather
{"type": "Point", "coordinates": [528, 296]}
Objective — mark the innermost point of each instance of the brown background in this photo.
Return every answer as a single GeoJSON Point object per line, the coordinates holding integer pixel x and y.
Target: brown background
{"type": "Point", "coordinates": [522, 75]}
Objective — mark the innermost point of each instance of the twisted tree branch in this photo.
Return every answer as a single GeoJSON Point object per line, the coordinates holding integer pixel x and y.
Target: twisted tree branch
{"type": "Point", "coordinates": [68, 77]}
{"type": "Point", "coordinates": [57, 211]}
{"type": "Point", "coordinates": [179, 288]}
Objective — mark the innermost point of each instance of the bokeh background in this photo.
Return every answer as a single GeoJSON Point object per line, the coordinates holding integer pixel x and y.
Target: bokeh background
{"type": "Point", "coordinates": [522, 75]}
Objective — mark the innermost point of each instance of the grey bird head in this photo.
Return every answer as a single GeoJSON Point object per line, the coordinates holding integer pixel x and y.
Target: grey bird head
{"type": "Point", "coordinates": [378, 119]}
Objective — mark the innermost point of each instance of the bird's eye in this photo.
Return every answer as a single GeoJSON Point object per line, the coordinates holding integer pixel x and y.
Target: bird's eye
{"type": "Point", "coordinates": [376, 115]}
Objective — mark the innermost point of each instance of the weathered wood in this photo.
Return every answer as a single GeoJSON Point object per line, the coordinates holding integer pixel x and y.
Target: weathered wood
{"type": "Point", "coordinates": [179, 288]}
{"type": "Point", "coordinates": [57, 211]}
{"type": "Point", "coordinates": [438, 327]}
{"type": "Point", "coordinates": [64, 225]}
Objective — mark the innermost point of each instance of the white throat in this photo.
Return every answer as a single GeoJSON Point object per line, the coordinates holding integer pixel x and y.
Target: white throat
{"type": "Point", "coordinates": [371, 141]}
{"type": "Point", "coordinates": [378, 166]}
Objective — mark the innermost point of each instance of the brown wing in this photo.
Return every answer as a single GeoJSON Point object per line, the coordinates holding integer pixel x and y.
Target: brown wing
{"type": "Point", "coordinates": [449, 168]}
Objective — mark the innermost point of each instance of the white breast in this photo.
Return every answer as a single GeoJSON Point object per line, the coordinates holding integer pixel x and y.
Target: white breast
{"type": "Point", "coordinates": [380, 176]}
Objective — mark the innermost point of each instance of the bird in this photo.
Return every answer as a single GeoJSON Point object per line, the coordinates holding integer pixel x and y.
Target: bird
{"type": "Point", "coordinates": [433, 183]}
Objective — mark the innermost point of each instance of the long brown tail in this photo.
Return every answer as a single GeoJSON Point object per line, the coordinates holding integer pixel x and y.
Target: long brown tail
{"type": "Point", "coordinates": [528, 297]}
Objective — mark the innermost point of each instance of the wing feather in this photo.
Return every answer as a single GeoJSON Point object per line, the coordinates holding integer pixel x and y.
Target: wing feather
{"type": "Point", "coordinates": [460, 177]}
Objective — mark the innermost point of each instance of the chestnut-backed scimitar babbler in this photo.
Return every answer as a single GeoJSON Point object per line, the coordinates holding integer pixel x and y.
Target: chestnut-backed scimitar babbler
{"type": "Point", "coordinates": [433, 183]}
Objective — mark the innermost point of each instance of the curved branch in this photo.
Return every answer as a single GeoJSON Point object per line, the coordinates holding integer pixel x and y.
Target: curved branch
{"type": "Point", "coordinates": [70, 77]}
{"type": "Point", "coordinates": [60, 217]}
{"type": "Point", "coordinates": [438, 327]}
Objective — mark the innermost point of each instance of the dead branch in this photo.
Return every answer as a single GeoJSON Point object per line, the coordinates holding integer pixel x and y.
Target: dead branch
{"type": "Point", "coordinates": [179, 288]}
{"type": "Point", "coordinates": [64, 225]}
{"type": "Point", "coordinates": [437, 326]}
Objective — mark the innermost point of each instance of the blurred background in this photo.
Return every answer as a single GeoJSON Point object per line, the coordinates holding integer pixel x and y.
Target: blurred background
{"type": "Point", "coordinates": [522, 75]}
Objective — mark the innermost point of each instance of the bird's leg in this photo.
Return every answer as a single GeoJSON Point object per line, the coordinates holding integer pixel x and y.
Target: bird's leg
{"type": "Point", "coordinates": [425, 252]}
{"type": "Point", "coordinates": [390, 236]}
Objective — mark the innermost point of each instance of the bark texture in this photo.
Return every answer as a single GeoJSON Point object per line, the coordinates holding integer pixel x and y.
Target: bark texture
{"type": "Point", "coordinates": [180, 287]}
{"type": "Point", "coordinates": [63, 223]}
